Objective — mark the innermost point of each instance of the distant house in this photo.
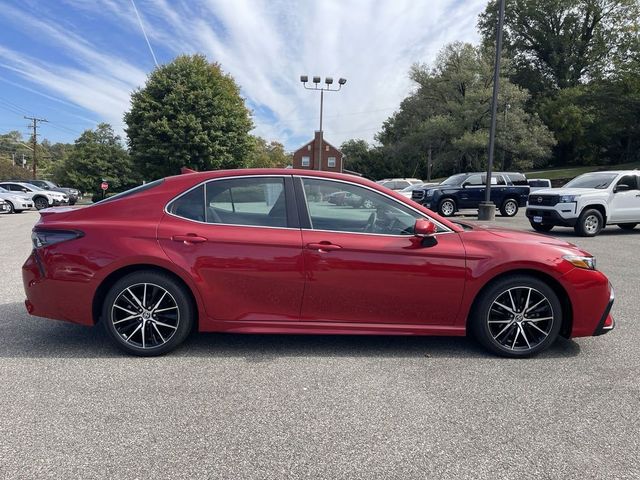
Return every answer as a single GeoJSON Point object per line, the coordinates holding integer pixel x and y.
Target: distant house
{"type": "Point", "coordinates": [307, 155]}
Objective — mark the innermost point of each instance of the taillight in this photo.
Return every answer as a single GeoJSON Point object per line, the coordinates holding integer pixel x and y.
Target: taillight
{"type": "Point", "coordinates": [44, 238]}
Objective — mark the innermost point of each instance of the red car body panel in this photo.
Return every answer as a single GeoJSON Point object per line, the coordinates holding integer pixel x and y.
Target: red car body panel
{"type": "Point", "coordinates": [260, 279]}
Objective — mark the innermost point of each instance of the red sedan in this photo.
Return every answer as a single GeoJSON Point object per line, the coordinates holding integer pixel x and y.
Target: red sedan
{"type": "Point", "coordinates": [264, 251]}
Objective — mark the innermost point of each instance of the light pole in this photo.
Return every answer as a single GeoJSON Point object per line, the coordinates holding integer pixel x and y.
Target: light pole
{"type": "Point", "coordinates": [323, 88]}
{"type": "Point", "coordinates": [487, 209]}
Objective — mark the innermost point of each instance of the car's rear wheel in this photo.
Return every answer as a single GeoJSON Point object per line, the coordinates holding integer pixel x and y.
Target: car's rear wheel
{"type": "Point", "coordinates": [541, 227]}
{"type": "Point", "coordinates": [40, 203]}
{"type": "Point", "coordinates": [447, 207]}
{"type": "Point", "coordinates": [627, 226]}
{"type": "Point", "coordinates": [590, 223]}
{"type": "Point", "coordinates": [148, 313]}
{"type": "Point", "coordinates": [509, 208]}
{"type": "Point", "coordinates": [517, 316]}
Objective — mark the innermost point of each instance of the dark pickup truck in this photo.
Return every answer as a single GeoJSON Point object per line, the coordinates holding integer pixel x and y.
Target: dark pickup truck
{"type": "Point", "coordinates": [509, 191]}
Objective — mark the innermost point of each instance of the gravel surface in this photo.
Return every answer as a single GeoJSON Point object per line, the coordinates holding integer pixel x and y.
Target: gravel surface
{"type": "Point", "coordinates": [259, 406]}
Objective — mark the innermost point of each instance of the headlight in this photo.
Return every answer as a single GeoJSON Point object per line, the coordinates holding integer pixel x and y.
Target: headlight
{"type": "Point", "coordinates": [579, 261]}
{"type": "Point", "coordinates": [568, 198]}
{"type": "Point", "coordinates": [428, 193]}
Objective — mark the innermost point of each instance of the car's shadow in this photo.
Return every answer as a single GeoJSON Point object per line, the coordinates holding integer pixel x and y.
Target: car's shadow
{"type": "Point", "coordinates": [24, 336]}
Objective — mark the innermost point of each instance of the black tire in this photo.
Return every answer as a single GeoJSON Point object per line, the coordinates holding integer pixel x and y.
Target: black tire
{"type": "Point", "coordinates": [164, 330]}
{"type": "Point", "coordinates": [489, 334]}
{"type": "Point", "coordinates": [509, 208]}
{"type": "Point", "coordinates": [40, 203]}
{"type": "Point", "coordinates": [72, 203]}
{"type": "Point", "coordinates": [541, 227]}
{"type": "Point", "coordinates": [447, 207]}
{"type": "Point", "coordinates": [627, 226]}
{"type": "Point", "coordinates": [590, 223]}
{"type": "Point", "coordinates": [11, 207]}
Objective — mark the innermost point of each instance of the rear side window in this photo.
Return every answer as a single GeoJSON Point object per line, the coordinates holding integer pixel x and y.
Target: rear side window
{"type": "Point", "coordinates": [133, 191]}
{"type": "Point", "coordinates": [517, 178]}
{"type": "Point", "coordinates": [190, 205]}
{"type": "Point", "coordinates": [258, 201]}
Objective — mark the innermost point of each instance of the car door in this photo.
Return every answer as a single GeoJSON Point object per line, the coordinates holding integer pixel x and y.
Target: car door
{"type": "Point", "coordinates": [625, 204]}
{"type": "Point", "coordinates": [364, 265]}
{"type": "Point", "coordinates": [499, 189]}
{"type": "Point", "coordinates": [240, 240]}
{"type": "Point", "coordinates": [472, 192]}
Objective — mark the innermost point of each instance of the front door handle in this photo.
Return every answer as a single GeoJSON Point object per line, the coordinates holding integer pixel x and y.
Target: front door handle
{"type": "Point", "coordinates": [189, 238]}
{"type": "Point", "coordinates": [323, 246]}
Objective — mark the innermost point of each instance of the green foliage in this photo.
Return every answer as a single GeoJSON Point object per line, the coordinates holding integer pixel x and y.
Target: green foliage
{"type": "Point", "coordinates": [267, 155]}
{"type": "Point", "coordinates": [562, 43]}
{"type": "Point", "coordinates": [97, 154]}
{"type": "Point", "coordinates": [9, 171]}
{"type": "Point", "coordinates": [449, 115]}
{"type": "Point", "coordinates": [190, 114]}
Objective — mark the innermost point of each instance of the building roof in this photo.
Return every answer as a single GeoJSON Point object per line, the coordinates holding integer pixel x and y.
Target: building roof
{"type": "Point", "coordinates": [323, 141]}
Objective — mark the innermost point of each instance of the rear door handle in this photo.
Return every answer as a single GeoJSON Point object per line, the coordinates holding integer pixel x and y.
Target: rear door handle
{"type": "Point", "coordinates": [323, 246]}
{"type": "Point", "coordinates": [189, 238]}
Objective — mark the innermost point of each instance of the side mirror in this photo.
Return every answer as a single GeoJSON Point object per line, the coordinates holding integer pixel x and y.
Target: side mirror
{"type": "Point", "coordinates": [424, 228]}
{"type": "Point", "coordinates": [622, 187]}
{"type": "Point", "coordinates": [24, 190]}
{"type": "Point", "coordinates": [464, 185]}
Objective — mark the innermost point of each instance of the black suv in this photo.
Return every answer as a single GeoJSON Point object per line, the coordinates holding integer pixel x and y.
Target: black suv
{"type": "Point", "coordinates": [509, 191]}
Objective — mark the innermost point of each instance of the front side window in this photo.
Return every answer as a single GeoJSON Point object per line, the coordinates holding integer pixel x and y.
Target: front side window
{"type": "Point", "coordinates": [258, 201]}
{"type": "Point", "coordinates": [630, 180]}
{"type": "Point", "coordinates": [474, 181]}
{"type": "Point", "coordinates": [345, 207]}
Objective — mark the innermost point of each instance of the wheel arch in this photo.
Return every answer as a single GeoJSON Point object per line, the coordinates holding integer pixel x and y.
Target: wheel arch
{"type": "Point", "coordinates": [113, 277]}
{"type": "Point", "coordinates": [597, 206]}
{"type": "Point", "coordinates": [563, 296]}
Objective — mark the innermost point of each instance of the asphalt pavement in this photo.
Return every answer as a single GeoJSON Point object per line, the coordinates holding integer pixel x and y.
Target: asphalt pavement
{"type": "Point", "coordinates": [338, 407]}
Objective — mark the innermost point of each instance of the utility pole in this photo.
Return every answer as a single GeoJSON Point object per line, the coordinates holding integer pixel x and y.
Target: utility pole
{"type": "Point", "coordinates": [487, 209]}
{"type": "Point", "coordinates": [34, 127]}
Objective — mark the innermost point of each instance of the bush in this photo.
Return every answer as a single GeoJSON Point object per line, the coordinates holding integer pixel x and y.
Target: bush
{"type": "Point", "coordinates": [9, 171]}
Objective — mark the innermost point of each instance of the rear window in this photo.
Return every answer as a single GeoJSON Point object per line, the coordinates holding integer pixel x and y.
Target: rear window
{"type": "Point", "coordinates": [539, 183]}
{"type": "Point", "coordinates": [132, 191]}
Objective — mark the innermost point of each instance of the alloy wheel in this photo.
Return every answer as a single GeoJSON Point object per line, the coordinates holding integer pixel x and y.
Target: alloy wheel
{"type": "Point", "coordinates": [520, 318]}
{"type": "Point", "coordinates": [41, 203]}
{"type": "Point", "coordinates": [447, 208]}
{"type": "Point", "coordinates": [510, 208]}
{"type": "Point", "coordinates": [145, 315]}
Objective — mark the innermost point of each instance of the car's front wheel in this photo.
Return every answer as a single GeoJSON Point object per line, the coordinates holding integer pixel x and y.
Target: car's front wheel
{"type": "Point", "coordinates": [40, 203]}
{"type": "Point", "coordinates": [11, 207]}
{"type": "Point", "coordinates": [447, 207]}
{"type": "Point", "coordinates": [517, 316]}
{"type": "Point", "coordinates": [148, 313]}
{"type": "Point", "coordinates": [590, 223]}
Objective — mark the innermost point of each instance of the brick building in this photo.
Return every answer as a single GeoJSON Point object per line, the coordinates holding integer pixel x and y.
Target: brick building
{"type": "Point", "coordinates": [305, 156]}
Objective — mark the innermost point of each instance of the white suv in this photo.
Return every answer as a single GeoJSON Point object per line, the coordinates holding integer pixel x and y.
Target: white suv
{"type": "Point", "coordinates": [588, 203]}
{"type": "Point", "coordinates": [40, 198]}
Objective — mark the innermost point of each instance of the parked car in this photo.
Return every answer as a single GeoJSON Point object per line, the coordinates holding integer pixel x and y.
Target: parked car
{"type": "Point", "coordinates": [509, 192]}
{"type": "Point", "coordinates": [208, 250]}
{"type": "Point", "coordinates": [72, 193]}
{"type": "Point", "coordinates": [17, 201]}
{"type": "Point", "coordinates": [588, 203]}
{"type": "Point", "coordinates": [4, 206]}
{"type": "Point", "coordinates": [399, 183]}
{"type": "Point", "coordinates": [41, 198]}
{"type": "Point", "coordinates": [408, 191]}
{"type": "Point", "coordinates": [538, 183]}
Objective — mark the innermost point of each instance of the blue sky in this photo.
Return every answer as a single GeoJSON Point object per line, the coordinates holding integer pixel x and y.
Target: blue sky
{"type": "Point", "coordinates": [76, 62]}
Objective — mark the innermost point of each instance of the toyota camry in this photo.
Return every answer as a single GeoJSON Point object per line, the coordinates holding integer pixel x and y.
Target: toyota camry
{"type": "Point", "coordinates": [267, 251]}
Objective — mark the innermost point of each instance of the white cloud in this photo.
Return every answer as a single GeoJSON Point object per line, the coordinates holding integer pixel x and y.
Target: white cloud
{"type": "Point", "coordinates": [266, 45]}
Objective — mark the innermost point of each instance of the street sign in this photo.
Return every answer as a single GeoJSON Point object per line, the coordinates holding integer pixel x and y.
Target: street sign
{"type": "Point", "coordinates": [104, 185]}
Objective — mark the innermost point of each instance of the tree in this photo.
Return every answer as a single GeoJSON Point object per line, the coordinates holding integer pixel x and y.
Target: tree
{"type": "Point", "coordinates": [447, 117]}
{"type": "Point", "coordinates": [267, 155]}
{"type": "Point", "coordinates": [562, 43]}
{"type": "Point", "coordinates": [191, 114]}
{"type": "Point", "coordinates": [96, 155]}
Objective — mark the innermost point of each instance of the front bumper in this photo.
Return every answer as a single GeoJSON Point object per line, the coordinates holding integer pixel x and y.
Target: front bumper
{"type": "Point", "coordinates": [607, 323]}
{"type": "Point", "coordinates": [4, 207]}
{"type": "Point", "coordinates": [58, 203]}
{"type": "Point", "coordinates": [550, 216]}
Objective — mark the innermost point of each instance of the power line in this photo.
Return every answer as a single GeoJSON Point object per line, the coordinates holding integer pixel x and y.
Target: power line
{"type": "Point", "coordinates": [144, 32]}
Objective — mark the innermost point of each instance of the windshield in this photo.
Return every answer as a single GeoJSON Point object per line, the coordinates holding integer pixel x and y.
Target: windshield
{"type": "Point", "coordinates": [411, 188]}
{"type": "Point", "coordinates": [31, 188]}
{"type": "Point", "coordinates": [592, 180]}
{"type": "Point", "coordinates": [455, 179]}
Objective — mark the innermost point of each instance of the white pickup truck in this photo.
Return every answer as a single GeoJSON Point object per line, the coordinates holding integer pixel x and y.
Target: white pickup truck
{"type": "Point", "coordinates": [588, 203]}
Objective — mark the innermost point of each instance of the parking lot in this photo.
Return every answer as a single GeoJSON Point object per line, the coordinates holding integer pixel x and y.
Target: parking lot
{"type": "Point", "coordinates": [259, 406]}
